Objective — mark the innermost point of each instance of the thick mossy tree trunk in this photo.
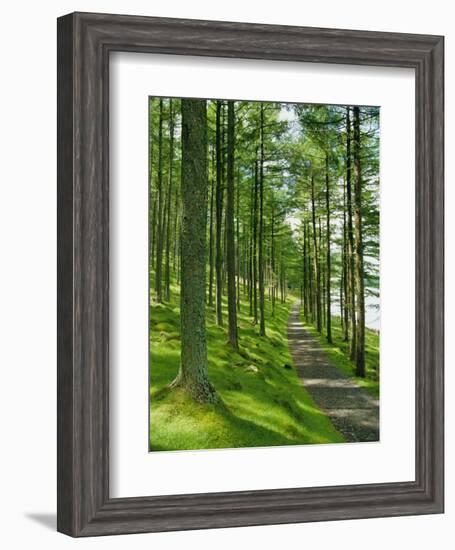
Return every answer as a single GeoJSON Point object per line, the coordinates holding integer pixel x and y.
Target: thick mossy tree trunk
{"type": "Point", "coordinates": [230, 240]}
{"type": "Point", "coordinates": [351, 262]}
{"type": "Point", "coordinates": [193, 374]}
{"type": "Point", "coordinates": [359, 271]}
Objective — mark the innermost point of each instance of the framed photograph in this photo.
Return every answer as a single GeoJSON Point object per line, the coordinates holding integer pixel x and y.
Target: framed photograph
{"type": "Point", "coordinates": [250, 274]}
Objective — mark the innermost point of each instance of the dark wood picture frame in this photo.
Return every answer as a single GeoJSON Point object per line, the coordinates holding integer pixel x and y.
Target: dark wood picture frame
{"type": "Point", "coordinates": [84, 43]}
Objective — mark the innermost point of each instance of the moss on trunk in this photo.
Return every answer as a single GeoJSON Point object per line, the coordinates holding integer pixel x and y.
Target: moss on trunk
{"type": "Point", "coordinates": [193, 374]}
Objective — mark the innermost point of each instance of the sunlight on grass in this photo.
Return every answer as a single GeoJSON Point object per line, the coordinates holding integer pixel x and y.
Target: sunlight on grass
{"type": "Point", "coordinates": [262, 400]}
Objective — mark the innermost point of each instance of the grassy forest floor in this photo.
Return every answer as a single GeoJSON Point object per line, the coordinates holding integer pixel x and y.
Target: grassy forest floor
{"type": "Point", "coordinates": [262, 400]}
{"type": "Point", "coordinates": [338, 353]}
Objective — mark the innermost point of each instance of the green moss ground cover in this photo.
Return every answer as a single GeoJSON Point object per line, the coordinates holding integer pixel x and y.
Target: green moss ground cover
{"type": "Point", "coordinates": [262, 401]}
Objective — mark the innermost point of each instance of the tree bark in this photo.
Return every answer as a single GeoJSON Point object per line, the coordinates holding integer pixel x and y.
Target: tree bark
{"type": "Point", "coordinates": [310, 267]}
{"type": "Point", "coordinates": [316, 268]}
{"type": "Point", "coordinates": [255, 242]}
{"type": "Point", "coordinates": [306, 290]}
{"type": "Point", "coordinates": [261, 230]}
{"type": "Point", "coordinates": [153, 236]}
{"type": "Point", "coordinates": [250, 268]}
{"type": "Point", "coordinates": [159, 235]}
{"type": "Point", "coordinates": [219, 218]}
{"type": "Point", "coordinates": [211, 266]}
{"type": "Point", "coordinates": [193, 374]}
{"type": "Point", "coordinates": [328, 267]}
{"type": "Point", "coordinates": [237, 239]}
{"type": "Point", "coordinates": [303, 290]}
{"type": "Point", "coordinates": [167, 269]}
{"type": "Point", "coordinates": [230, 232]}
{"type": "Point", "coordinates": [345, 307]}
{"type": "Point", "coordinates": [323, 274]}
{"type": "Point", "coordinates": [152, 201]}
{"type": "Point", "coordinates": [310, 275]}
{"type": "Point", "coordinates": [273, 277]}
{"type": "Point", "coordinates": [351, 278]}
{"type": "Point", "coordinates": [176, 231]}
{"type": "Point", "coordinates": [359, 271]}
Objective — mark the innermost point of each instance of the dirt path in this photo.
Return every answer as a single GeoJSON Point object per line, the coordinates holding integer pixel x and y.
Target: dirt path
{"type": "Point", "coordinates": [351, 409]}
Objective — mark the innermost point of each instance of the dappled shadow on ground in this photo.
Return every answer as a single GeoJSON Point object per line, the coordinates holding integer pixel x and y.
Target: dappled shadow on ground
{"type": "Point", "coordinates": [246, 431]}
{"type": "Point", "coordinates": [351, 409]}
{"type": "Point", "coordinates": [264, 402]}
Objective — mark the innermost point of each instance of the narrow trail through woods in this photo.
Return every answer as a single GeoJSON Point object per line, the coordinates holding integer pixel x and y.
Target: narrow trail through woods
{"type": "Point", "coordinates": [351, 409]}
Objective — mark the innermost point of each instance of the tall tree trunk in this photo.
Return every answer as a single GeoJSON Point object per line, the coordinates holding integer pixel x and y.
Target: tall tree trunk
{"type": "Point", "coordinates": [359, 271]}
{"type": "Point", "coordinates": [305, 273]}
{"type": "Point", "coordinates": [323, 273]}
{"type": "Point", "coordinates": [167, 270]}
{"type": "Point", "coordinates": [152, 201]}
{"type": "Point", "coordinates": [223, 179]}
{"type": "Point", "coordinates": [211, 266]}
{"type": "Point", "coordinates": [328, 267]}
{"type": "Point", "coordinates": [159, 236]}
{"type": "Point", "coordinates": [250, 286]}
{"type": "Point", "coordinates": [179, 254]}
{"type": "Point", "coordinates": [351, 278]}
{"type": "Point", "coordinates": [153, 236]}
{"type": "Point", "coordinates": [345, 308]}
{"type": "Point", "coordinates": [342, 296]}
{"type": "Point", "coordinates": [316, 268]}
{"type": "Point", "coordinates": [273, 277]}
{"type": "Point", "coordinates": [219, 217]}
{"type": "Point", "coordinates": [237, 241]}
{"type": "Point", "coordinates": [230, 231]}
{"type": "Point", "coordinates": [310, 275]}
{"type": "Point", "coordinates": [281, 283]}
{"type": "Point", "coordinates": [261, 231]}
{"type": "Point", "coordinates": [176, 230]}
{"type": "Point", "coordinates": [255, 241]}
{"type": "Point", "coordinates": [193, 373]}
{"type": "Point", "coordinates": [246, 260]}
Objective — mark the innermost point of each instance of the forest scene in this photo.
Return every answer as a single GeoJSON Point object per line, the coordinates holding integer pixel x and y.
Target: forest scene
{"type": "Point", "coordinates": [263, 273]}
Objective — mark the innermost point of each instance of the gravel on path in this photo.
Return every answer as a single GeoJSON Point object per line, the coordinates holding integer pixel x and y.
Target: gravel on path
{"type": "Point", "coordinates": [353, 411]}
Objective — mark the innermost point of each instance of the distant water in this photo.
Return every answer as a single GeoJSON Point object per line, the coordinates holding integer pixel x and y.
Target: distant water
{"type": "Point", "coordinates": [372, 312]}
